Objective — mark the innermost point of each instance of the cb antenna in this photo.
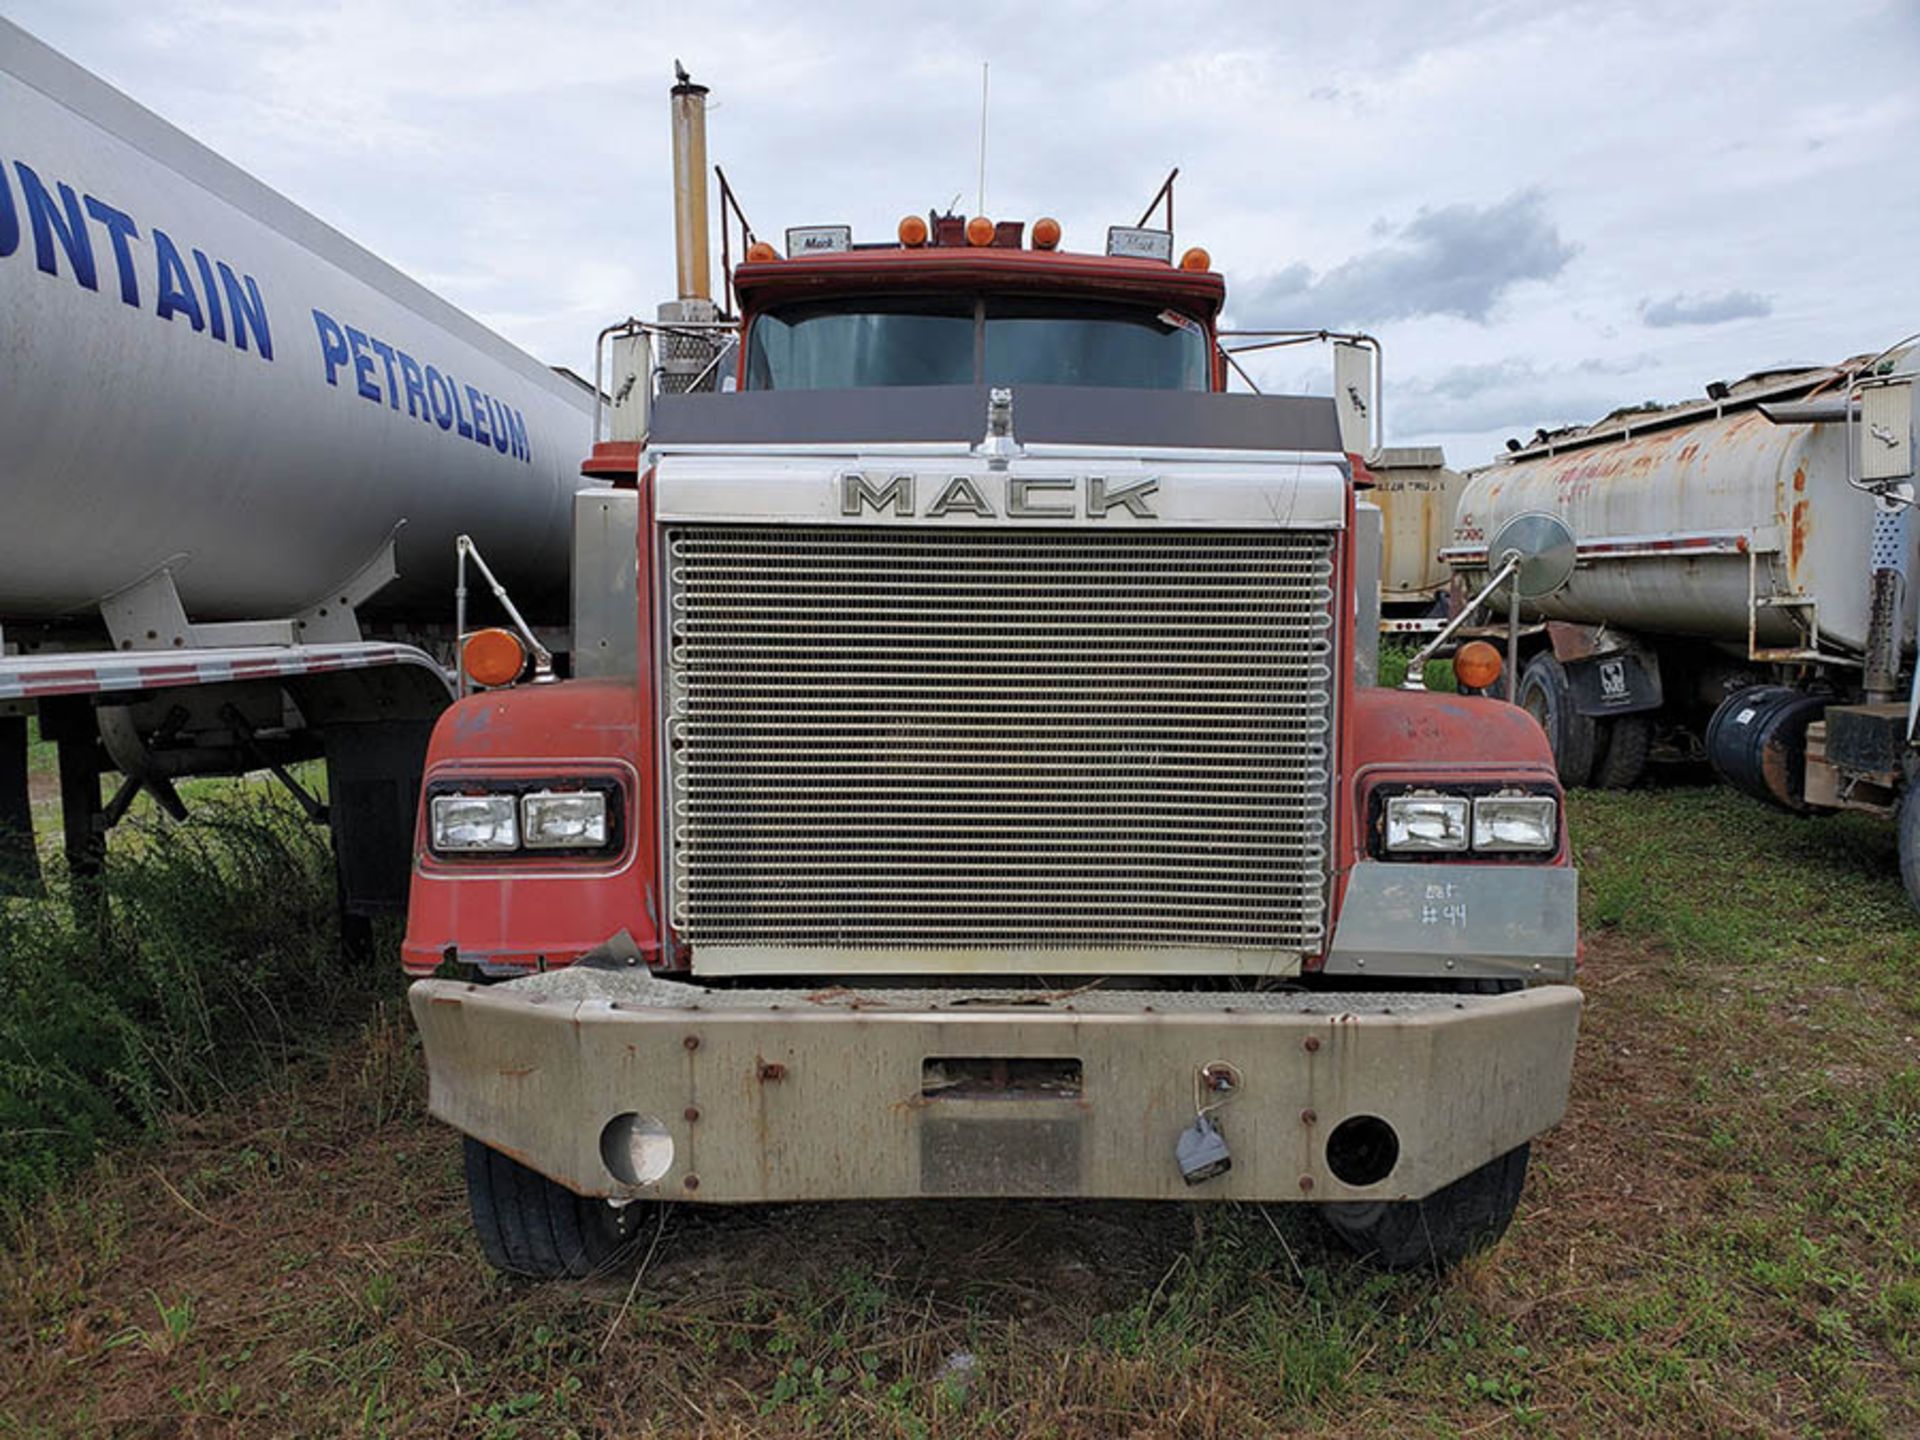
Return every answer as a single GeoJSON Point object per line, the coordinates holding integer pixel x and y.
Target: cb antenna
{"type": "Point", "coordinates": [982, 209]}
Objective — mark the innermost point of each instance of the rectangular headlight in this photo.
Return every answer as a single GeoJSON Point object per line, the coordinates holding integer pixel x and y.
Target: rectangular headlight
{"type": "Point", "coordinates": [1515, 822]}
{"type": "Point", "coordinates": [1426, 823]}
{"type": "Point", "coordinates": [565, 819]}
{"type": "Point", "coordinates": [462, 823]}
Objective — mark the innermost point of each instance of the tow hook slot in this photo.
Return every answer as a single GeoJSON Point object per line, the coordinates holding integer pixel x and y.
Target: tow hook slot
{"type": "Point", "coordinates": [1000, 1077]}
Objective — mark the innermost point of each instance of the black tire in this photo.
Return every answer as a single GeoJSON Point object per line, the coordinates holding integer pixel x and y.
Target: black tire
{"type": "Point", "coordinates": [528, 1225]}
{"type": "Point", "coordinates": [1544, 694]}
{"type": "Point", "coordinates": [1909, 825]}
{"type": "Point", "coordinates": [1454, 1222]}
{"type": "Point", "coordinates": [1624, 747]}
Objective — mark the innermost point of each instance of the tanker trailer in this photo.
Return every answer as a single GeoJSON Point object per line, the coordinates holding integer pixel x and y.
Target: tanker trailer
{"type": "Point", "coordinates": [1416, 493]}
{"type": "Point", "coordinates": [240, 450]}
{"type": "Point", "coordinates": [1741, 585]}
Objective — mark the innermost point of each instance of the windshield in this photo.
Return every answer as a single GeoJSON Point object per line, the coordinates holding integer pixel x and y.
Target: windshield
{"type": "Point", "coordinates": [829, 345]}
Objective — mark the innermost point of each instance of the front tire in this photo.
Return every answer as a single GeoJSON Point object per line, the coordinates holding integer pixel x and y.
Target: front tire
{"type": "Point", "coordinates": [530, 1226]}
{"type": "Point", "coordinates": [1454, 1222]}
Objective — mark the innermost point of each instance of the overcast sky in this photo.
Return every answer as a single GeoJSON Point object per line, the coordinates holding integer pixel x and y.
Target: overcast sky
{"type": "Point", "coordinates": [1543, 209]}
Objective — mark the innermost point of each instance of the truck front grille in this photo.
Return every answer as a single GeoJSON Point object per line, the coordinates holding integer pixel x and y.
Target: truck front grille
{"type": "Point", "coordinates": [982, 739]}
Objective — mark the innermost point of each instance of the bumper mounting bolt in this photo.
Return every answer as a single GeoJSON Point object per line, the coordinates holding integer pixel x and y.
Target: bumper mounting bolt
{"type": "Point", "coordinates": [691, 1113]}
{"type": "Point", "coordinates": [692, 1042]}
{"type": "Point", "coordinates": [1306, 1184]}
{"type": "Point", "coordinates": [1307, 1117]}
{"type": "Point", "coordinates": [692, 1182]}
{"type": "Point", "coordinates": [1312, 1043]}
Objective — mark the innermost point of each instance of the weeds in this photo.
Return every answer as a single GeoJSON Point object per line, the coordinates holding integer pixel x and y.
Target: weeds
{"type": "Point", "coordinates": [186, 970]}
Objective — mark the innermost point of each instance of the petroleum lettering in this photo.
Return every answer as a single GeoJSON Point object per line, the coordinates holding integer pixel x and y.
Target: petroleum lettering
{"type": "Point", "coordinates": [362, 365]}
{"type": "Point", "coordinates": [498, 418]}
{"type": "Point", "coordinates": [416, 385]}
{"type": "Point", "coordinates": [333, 344]}
{"type": "Point", "coordinates": [478, 409]}
{"type": "Point", "coordinates": [47, 224]}
{"type": "Point", "coordinates": [460, 425]}
{"type": "Point", "coordinates": [440, 394]}
{"type": "Point", "coordinates": [120, 229]}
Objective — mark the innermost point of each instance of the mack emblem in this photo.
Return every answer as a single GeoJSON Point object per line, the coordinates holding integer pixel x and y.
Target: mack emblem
{"type": "Point", "coordinates": [1021, 497]}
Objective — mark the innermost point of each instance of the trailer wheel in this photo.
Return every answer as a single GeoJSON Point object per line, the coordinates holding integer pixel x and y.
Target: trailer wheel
{"type": "Point", "coordinates": [1909, 826]}
{"type": "Point", "coordinates": [1454, 1222]}
{"type": "Point", "coordinates": [529, 1225]}
{"type": "Point", "coordinates": [1624, 746]}
{"type": "Point", "coordinates": [1544, 694]}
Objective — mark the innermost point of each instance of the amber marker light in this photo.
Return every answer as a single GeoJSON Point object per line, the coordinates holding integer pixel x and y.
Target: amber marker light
{"type": "Point", "coordinates": [760, 252]}
{"type": "Point", "coordinates": [979, 231]}
{"type": "Point", "coordinates": [1196, 259]}
{"type": "Point", "coordinates": [493, 657]}
{"type": "Point", "coordinates": [913, 231]}
{"type": "Point", "coordinates": [1046, 233]}
{"type": "Point", "coordinates": [1476, 665]}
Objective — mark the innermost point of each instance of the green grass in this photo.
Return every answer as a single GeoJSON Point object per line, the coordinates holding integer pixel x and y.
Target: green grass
{"type": "Point", "coordinates": [184, 973]}
{"type": "Point", "coordinates": [1435, 674]}
{"type": "Point", "coordinates": [1720, 1240]}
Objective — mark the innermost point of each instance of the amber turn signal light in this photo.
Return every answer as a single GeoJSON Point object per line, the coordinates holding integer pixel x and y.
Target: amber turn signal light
{"type": "Point", "coordinates": [1046, 233]}
{"type": "Point", "coordinates": [760, 252]}
{"type": "Point", "coordinates": [913, 231]}
{"type": "Point", "coordinates": [1476, 665]}
{"type": "Point", "coordinates": [493, 657]}
{"type": "Point", "coordinates": [979, 231]}
{"type": "Point", "coordinates": [1196, 259]}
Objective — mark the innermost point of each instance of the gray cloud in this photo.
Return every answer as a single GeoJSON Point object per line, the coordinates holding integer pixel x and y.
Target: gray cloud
{"type": "Point", "coordinates": [1513, 395]}
{"type": "Point", "coordinates": [1457, 260]}
{"type": "Point", "coordinates": [1704, 309]}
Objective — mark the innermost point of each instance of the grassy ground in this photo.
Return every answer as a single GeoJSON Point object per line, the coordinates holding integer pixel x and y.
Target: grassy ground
{"type": "Point", "coordinates": [1721, 1239]}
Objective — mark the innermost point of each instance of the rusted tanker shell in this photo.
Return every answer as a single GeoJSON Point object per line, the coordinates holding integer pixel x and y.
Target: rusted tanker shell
{"type": "Point", "coordinates": [1416, 493]}
{"type": "Point", "coordinates": [1682, 531]}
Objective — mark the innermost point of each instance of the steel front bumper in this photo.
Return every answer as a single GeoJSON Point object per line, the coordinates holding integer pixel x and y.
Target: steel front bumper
{"type": "Point", "coordinates": [790, 1095]}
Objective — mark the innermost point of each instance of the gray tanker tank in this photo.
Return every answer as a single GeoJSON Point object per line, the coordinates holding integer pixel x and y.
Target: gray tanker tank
{"type": "Point", "coordinates": [199, 376]}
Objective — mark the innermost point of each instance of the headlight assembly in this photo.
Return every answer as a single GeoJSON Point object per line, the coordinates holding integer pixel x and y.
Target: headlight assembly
{"type": "Point", "coordinates": [564, 819]}
{"type": "Point", "coordinates": [1513, 823]}
{"type": "Point", "coordinates": [468, 824]}
{"type": "Point", "coordinates": [1426, 823]}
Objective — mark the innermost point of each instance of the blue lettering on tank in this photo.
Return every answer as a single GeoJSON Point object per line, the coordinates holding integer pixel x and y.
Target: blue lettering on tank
{"type": "Point", "coordinates": [518, 424]}
{"type": "Point", "coordinates": [48, 223]}
{"type": "Point", "coordinates": [120, 229]}
{"type": "Point", "coordinates": [333, 344]}
{"type": "Point", "coordinates": [478, 409]}
{"type": "Point", "coordinates": [459, 416]}
{"type": "Point", "coordinates": [437, 388]}
{"type": "Point", "coordinates": [9, 217]}
{"type": "Point", "coordinates": [416, 387]}
{"type": "Point", "coordinates": [216, 317]}
{"type": "Point", "coordinates": [496, 413]}
{"type": "Point", "coordinates": [362, 366]}
{"type": "Point", "coordinates": [249, 310]}
{"type": "Point", "coordinates": [385, 352]}
{"type": "Point", "coordinates": [173, 283]}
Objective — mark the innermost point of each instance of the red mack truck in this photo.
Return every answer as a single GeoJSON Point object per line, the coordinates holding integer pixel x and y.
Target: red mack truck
{"type": "Point", "coordinates": [966, 784]}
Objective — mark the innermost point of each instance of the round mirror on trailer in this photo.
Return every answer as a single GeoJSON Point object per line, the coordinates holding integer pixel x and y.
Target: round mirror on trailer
{"type": "Point", "coordinates": [1546, 549]}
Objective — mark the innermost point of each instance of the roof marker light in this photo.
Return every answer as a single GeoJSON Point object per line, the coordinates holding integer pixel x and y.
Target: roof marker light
{"type": "Point", "coordinates": [1046, 233]}
{"type": "Point", "coordinates": [979, 231]}
{"type": "Point", "coordinates": [913, 231]}
{"type": "Point", "coordinates": [1196, 259]}
{"type": "Point", "coordinates": [760, 252]}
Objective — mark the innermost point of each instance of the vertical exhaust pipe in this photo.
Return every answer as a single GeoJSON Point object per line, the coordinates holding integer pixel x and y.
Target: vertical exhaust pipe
{"type": "Point", "coordinates": [690, 238]}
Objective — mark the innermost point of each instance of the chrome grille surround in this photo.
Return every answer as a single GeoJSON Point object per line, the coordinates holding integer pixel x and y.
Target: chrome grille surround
{"type": "Point", "coordinates": [997, 749]}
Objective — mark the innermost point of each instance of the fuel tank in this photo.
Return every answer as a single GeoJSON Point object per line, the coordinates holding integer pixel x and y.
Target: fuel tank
{"type": "Point", "coordinates": [1700, 520]}
{"type": "Point", "coordinates": [200, 376]}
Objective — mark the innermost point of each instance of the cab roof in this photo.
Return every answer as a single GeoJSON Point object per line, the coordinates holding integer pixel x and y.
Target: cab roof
{"type": "Point", "coordinates": [759, 285]}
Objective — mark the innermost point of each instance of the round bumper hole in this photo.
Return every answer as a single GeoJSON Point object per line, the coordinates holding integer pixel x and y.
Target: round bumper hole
{"type": "Point", "coordinates": [1362, 1150]}
{"type": "Point", "coordinates": [636, 1149]}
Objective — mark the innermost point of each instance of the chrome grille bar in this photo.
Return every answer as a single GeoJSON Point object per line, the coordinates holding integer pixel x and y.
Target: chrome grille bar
{"type": "Point", "coordinates": [926, 740]}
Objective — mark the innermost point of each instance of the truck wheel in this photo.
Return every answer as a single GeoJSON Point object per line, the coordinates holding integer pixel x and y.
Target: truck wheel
{"type": "Point", "coordinates": [1545, 695]}
{"type": "Point", "coordinates": [1623, 752]}
{"type": "Point", "coordinates": [1452, 1223]}
{"type": "Point", "coordinates": [528, 1225]}
{"type": "Point", "coordinates": [1910, 841]}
